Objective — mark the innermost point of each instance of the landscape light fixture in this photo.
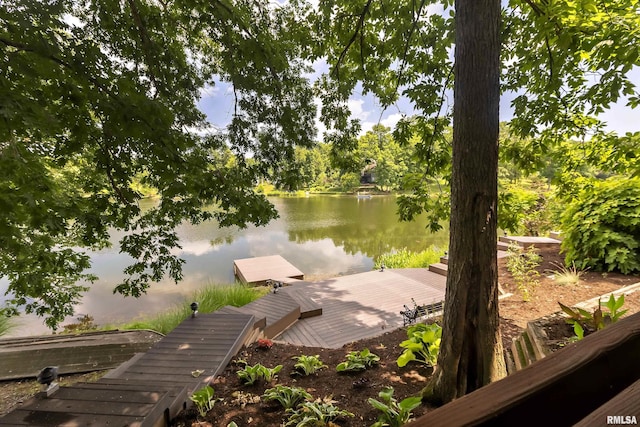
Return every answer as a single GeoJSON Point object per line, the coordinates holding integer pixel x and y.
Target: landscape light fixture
{"type": "Point", "coordinates": [194, 309]}
{"type": "Point", "coordinates": [47, 377]}
{"type": "Point", "coordinates": [276, 286]}
{"type": "Point", "coordinates": [382, 267]}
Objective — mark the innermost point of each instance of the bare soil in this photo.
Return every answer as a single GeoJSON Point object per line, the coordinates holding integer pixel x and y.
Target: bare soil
{"type": "Point", "coordinates": [350, 392]}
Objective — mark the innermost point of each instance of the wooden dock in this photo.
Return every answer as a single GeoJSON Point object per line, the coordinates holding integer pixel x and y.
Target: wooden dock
{"type": "Point", "coordinates": [257, 270]}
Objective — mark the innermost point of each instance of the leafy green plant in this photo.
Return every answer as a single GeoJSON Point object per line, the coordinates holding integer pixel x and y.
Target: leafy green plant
{"type": "Point", "coordinates": [315, 414]}
{"type": "Point", "coordinates": [422, 344]}
{"type": "Point", "coordinates": [307, 365]}
{"type": "Point", "coordinates": [203, 399]}
{"type": "Point", "coordinates": [250, 374]}
{"type": "Point", "coordinates": [582, 319]}
{"type": "Point", "coordinates": [602, 226]}
{"type": "Point", "coordinates": [358, 361]}
{"type": "Point", "coordinates": [288, 397]}
{"type": "Point", "coordinates": [268, 374]}
{"type": "Point", "coordinates": [522, 265]}
{"type": "Point", "coordinates": [393, 413]}
{"type": "Point", "coordinates": [614, 307]}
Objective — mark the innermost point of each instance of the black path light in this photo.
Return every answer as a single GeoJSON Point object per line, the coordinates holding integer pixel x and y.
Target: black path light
{"type": "Point", "coordinates": [194, 308]}
{"type": "Point", "coordinates": [47, 377]}
{"type": "Point", "coordinates": [276, 286]}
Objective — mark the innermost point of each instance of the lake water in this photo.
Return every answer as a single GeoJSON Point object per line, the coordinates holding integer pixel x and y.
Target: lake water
{"type": "Point", "coordinates": [323, 236]}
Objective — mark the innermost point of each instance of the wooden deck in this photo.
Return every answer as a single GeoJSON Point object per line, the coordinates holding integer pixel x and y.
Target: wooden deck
{"type": "Point", "coordinates": [361, 305]}
{"type": "Point", "coordinates": [256, 271]}
{"type": "Point", "coordinates": [152, 389]}
{"type": "Point", "coordinates": [25, 357]}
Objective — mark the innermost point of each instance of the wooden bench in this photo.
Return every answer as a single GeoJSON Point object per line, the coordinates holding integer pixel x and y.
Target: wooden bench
{"type": "Point", "coordinates": [410, 315]}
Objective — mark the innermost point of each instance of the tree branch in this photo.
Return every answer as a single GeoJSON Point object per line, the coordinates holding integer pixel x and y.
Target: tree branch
{"type": "Point", "coordinates": [336, 70]}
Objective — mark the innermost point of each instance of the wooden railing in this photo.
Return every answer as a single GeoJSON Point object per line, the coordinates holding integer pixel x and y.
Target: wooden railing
{"type": "Point", "coordinates": [585, 382]}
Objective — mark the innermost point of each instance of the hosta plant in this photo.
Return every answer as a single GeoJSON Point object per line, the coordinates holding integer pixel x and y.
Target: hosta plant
{"type": "Point", "coordinates": [288, 397]}
{"type": "Point", "coordinates": [393, 413]}
{"type": "Point", "coordinates": [307, 365]}
{"type": "Point", "coordinates": [203, 399]}
{"type": "Point", "coordinates": [315, 414]}
{"type": "Point", "coordinates": [250, 374]}
{"type": "Point", "coordinates": [422, 344]}
{"type": "Point", "coordinates": [358, 361]}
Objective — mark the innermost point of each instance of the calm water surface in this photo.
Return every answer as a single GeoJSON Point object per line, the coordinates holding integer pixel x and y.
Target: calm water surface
{"type": "Point", "coordinates": [323, 236]}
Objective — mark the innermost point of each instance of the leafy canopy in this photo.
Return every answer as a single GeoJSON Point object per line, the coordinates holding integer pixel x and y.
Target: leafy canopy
{"type": "Point", "coordinates": [97, 94]}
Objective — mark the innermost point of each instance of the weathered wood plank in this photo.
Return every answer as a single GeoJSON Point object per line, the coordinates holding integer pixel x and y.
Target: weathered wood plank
{"type": "Point", "coordinates": [570, 384]}
{"type": "Point", "coordinates": [25, 357]}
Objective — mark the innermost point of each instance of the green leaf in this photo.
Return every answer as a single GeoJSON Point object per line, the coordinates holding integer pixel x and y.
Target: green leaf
{"type": "Point", "coordinates": [406, 357]}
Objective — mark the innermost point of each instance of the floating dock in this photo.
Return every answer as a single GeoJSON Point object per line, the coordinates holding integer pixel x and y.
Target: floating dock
{"type": "Point", "coordinates": [257, 270]}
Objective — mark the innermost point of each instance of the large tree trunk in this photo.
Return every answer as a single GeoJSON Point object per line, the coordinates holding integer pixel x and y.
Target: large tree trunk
{"type": "Point", "coordinates": [471, 349]}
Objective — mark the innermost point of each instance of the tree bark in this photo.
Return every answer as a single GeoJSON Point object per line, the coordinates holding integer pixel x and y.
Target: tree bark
{"type": "Point", "coordinates": [471, 354]}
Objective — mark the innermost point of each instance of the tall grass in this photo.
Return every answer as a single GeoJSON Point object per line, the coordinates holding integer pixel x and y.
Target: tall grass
{"type": "Point", "coordinates": [209, 299]}
{"type": "Point", "coordinates": [405, 258]}
{"type": "Point", "coordinates": [5, 324]}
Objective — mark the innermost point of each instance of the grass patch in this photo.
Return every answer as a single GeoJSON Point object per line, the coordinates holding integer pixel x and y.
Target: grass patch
{"type": "Point", "coordinates": [405, 258]}
{"type": "Point", "coordinates": [567, 275]}
{"type": "Point", "coordinates": [5, 324]}
{"type": "Point", "coordinates": [210, 299]}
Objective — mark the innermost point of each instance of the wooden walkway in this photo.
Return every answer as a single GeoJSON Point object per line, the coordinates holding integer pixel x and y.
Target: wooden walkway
{"type": "Point", "coordinates": [153, 388]}
{"type": "Point", "coordinates": [256, 271]}
{"type": "Point", "coordinates": [361, 305]}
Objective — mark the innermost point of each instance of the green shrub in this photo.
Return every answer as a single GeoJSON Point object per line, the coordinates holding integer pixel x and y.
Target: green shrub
{"type": "Point", "coordinates": [602, 227]}
{"type": "Point", "coordinates": [526, 207]}
{"type": "Point", "coordinates": [405, 258]}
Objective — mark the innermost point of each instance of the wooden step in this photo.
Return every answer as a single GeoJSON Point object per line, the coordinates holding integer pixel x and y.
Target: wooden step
{"type": "Point", "coordinates": [444, 259]}
{"type": "Point", "coordinates": [279, 309]}
{"type": "Point", "coordinates": [528, 241]}
{"type": "Point", "coordinates": [308, 307]}
{"type": "Point", "coordinates": [439, 268]}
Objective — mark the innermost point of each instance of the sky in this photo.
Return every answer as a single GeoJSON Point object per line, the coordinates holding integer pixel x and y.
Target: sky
{"type": "Point", "coordinates": [217, 104]}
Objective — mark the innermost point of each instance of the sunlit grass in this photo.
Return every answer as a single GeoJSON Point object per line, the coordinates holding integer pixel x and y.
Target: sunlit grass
{"type": "Point", "coordinates": [210, 298]}
{"type": "Point", "coordinates": [405, 258]}
{"type": "Point", "coordinates": [567, 275]}
{"type": "Point", "coordinates": [5, 324]}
